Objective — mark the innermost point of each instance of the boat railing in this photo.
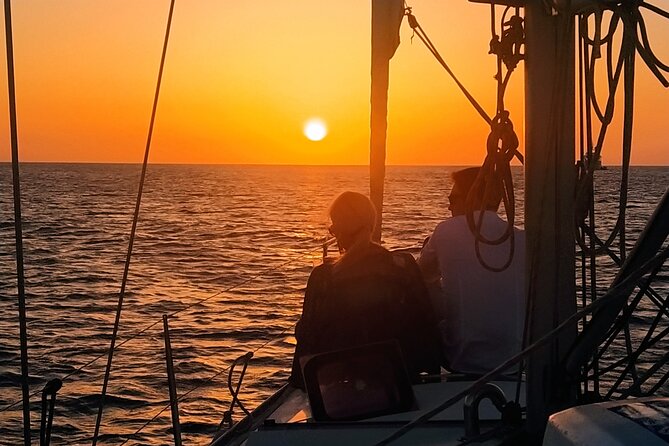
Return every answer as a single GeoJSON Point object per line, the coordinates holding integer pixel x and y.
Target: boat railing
{"type": "Point", "coordinates": [150, 327]}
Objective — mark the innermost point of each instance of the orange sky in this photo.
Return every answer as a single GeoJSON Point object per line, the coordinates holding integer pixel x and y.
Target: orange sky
{"type": "Point", "coordinates": [242, 77]}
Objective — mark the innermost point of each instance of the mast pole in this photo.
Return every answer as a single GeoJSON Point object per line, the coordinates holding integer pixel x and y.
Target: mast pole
{"type": "Point", "coordinates": [20, 277]}
{"type": "Point", "coordinates": [549, 209]}
{"type": "Point", "coordinates": [386, 19]}
{"type": "Point", "coordinates": [377, 143]}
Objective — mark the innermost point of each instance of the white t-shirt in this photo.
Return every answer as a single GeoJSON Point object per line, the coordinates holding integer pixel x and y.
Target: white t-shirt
{"type": "Point", "coordinates": [483, 311]}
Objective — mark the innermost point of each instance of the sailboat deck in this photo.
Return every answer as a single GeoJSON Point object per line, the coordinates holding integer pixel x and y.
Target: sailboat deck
{"type": "Point", "coordinates": [290, 423]}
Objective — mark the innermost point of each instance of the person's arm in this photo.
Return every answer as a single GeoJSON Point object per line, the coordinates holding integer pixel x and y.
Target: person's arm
{"type": "Point", "coordinates": [428, 262]}
{"type": "Point", "coordinates": [305, 327]}
{"type": "Point", "coordinates": [425, 333]}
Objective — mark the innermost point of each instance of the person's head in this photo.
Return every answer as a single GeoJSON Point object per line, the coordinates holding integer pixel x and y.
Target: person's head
{"type": "Point", "coordinates": [463, 180]}
{"type": "Point", "coordinates": [353, 218]}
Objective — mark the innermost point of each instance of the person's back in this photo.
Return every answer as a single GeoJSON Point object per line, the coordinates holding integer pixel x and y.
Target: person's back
{"type": "Point", "coordinates": [369, 295]}
{"type": "Point", "coordinates": [379, 297]}
{"type": "Point", "coordinates": [482, 311]}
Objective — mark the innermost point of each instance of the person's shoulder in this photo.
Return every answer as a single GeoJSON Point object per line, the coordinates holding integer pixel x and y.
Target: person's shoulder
{"type": "Point", "coordinates": [450, 221]}
{"type": "Point", "coordinates": [321, 271]}
{"type": "Point", "coordinates": [402, 258]}
{"type": "Point", "coordinates": [326, 265]}
{"type": "Point", "coordinates": [450, 225]}
{"type": "Point", "coordinates": [388, 262]}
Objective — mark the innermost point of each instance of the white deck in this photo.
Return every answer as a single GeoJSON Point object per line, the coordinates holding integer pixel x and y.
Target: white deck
{"type": "Point", "coordinates": [446, 428]}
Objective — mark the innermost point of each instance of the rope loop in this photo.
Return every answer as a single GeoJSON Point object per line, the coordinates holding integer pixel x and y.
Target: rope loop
{"type": "Point", "coordinates": [596, 44]}
{"type": "Point", "coordinates": [494, 183]}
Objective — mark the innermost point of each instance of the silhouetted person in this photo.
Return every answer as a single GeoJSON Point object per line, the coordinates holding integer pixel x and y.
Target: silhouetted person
{"type": "Point", "coordinates": [482, 312]}
{"type": "Point", "coordinates": [368, 295]}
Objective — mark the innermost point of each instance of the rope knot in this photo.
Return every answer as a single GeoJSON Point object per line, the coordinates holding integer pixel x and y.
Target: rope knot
{"type": "Point", "coordinates": [502, 141]}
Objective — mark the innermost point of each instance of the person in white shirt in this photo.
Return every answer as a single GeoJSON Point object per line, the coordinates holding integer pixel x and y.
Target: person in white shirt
{"type": "Point", "coordinates": [482, 312]}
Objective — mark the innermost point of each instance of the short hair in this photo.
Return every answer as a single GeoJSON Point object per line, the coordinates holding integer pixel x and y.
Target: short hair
{"type": "Point", "coordinates": [466, 178]}
{"type": "Point", "coordinates": [353, 211]}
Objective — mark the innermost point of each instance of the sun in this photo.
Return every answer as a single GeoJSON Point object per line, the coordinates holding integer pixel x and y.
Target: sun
{"type": "Point", "coordinates": [315, 129]}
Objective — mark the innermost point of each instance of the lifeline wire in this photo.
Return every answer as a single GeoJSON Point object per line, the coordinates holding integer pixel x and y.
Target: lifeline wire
{"type": "Point", "coordinates": [134, 227]}
{"type": "Point", "coordinates": [172, 315]}
{"type": "Point", "coordinates": [207, 381]}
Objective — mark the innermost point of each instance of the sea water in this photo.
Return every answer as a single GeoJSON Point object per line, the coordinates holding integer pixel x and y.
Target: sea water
{"type": "Point", "coordinates": [228, 249]}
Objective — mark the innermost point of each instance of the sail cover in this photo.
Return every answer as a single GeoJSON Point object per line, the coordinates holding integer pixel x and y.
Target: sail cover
{"type": "Point", "coordinates": [386, 20]}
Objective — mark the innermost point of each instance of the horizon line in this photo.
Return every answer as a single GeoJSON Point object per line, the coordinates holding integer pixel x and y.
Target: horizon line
{"type": "Point", "coordinates": [283, 164]}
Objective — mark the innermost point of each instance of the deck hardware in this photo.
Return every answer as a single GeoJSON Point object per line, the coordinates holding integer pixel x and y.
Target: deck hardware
{"type": "Point", "coordinates": [49, 392]}
{"type": "Point", "coordinates": [227, 415]}
{"type": "Point", "coordinates": [172, 383]}
{"type": "Point", "coordinates": [471, 406]}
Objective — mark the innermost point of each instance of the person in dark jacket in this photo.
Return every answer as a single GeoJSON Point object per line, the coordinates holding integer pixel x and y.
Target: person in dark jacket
{"type": "Point", "coordinates": [368, 295]}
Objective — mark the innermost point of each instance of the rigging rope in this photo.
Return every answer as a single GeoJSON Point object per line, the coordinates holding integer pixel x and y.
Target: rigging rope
{"type": "Point", "coordinates": [634, 39]}
{"type": "Point", "coordinates": [502, 143]}
{"type": "Point", "coordinates": [16, 182]}
{"type": "Point", "coordinates": [134, 227]}
{"type": "Point", "coordinates": [418, 30]}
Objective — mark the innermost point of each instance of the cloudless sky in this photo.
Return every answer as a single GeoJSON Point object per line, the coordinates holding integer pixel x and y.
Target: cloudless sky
{"type": "Point", "coordinates": [242, 78]}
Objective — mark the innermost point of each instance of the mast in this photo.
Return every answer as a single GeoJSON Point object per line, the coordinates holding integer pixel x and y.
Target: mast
{"type": "Point", "coordinates": [549, 195]}
{"type": "Point", "coordinates": [386, 19]}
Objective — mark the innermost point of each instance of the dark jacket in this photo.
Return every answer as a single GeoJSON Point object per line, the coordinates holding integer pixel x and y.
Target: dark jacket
{"type": "Point", "coordinates": [377, 297]}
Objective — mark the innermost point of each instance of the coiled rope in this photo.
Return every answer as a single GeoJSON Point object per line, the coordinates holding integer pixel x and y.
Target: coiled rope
{"type": "Point", "coordinates": [495, 176]}
{"type": "Point", "coordinates": [634, 40]}
{"type": "Point", "coordinates": [495, 179]}
{"type": "Point", "coordinates": [595, 44]}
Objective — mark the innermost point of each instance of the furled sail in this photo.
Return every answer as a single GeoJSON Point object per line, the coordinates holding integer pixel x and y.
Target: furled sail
{"type": "Point", "coordinates": [386, 20]}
